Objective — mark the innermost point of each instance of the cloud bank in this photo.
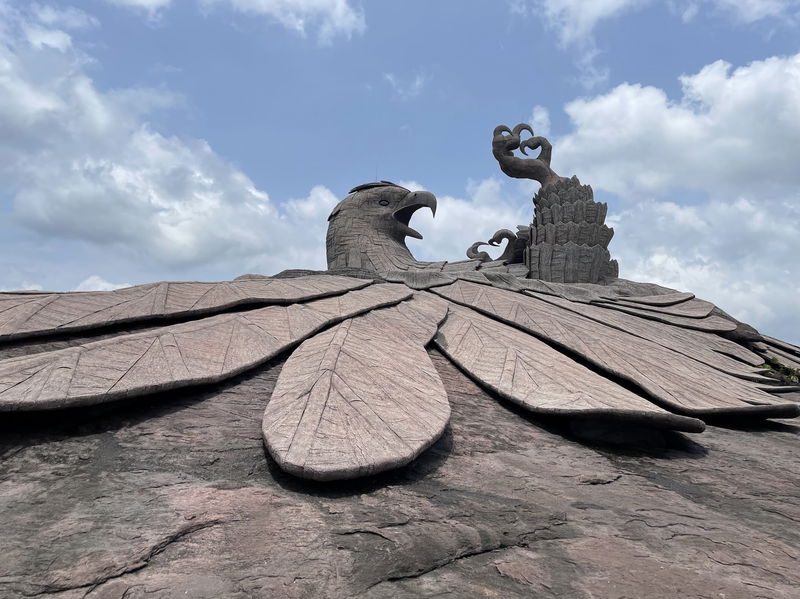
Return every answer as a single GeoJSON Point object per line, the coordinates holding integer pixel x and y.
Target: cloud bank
{"type": "Point", "coordinates": [575, 21]}
{"type": "Point", "coordinates": [84, 163]}
{"type": "Point", "coordinates": [329, 18]}
{"type": "Point", "coordinates": [708, 183]}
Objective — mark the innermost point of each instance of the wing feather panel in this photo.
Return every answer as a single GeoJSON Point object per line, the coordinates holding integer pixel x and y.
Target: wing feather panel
{"type": "Point", "coordinates": [202, 351]}
{"type": "Point", "coordinates": [666, 299]}
{"type": "Point", "coordinates": [691, 308]}
{"type": "Point", "coordinates": [713, 350]}
{"type": "Point", "coordinates": [788, 348]}
{"type": "Point", "coordinates": [361, 397]}
{"type": "Point", "coordinates": [25, 315]}
{"type": "Point", "coordinates": [677, 382]}
{"type": "Point", "coordinates": [711, 322]}
{"type": "Point", "coordinates": [530, 373]}
{"type": "Point", "coordinates": [777, 352]}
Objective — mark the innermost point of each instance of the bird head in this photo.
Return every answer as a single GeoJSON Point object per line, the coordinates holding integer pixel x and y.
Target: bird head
{"type": "Point", "coordinates": [383, 208]}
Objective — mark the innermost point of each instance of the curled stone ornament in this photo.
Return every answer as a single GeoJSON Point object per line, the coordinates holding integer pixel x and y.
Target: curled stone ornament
{"type": "Point", "coordinates": [568, 239]}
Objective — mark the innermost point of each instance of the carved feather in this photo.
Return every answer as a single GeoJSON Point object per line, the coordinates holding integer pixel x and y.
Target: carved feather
{"type": "Point", "coordinates": [29, 314]}
{"type": "Point", "coordinates": [713, 350]}
{"type": "Point", "coordinates": [527, 371]}
{"type": "Point", "coordinates": [202, 351]}
{"type": "Point", "coordinates": [361, 397]}
{"type": "Point", "coordinates": [675, 381]}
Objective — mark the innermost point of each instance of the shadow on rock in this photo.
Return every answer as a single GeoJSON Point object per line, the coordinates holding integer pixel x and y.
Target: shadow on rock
{"type": "Point", "coordinates": [754, 426]}
{"type": "Point", "coordinates": [614, 436]}
{"type": "Point", "coordinates": [30, 428]}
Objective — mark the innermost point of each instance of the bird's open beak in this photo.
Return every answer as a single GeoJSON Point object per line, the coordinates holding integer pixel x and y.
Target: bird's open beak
{"type": "Point", "coordinates": [408, 206]}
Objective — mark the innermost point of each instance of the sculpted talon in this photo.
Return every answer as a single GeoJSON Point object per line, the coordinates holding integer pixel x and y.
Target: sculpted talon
{"type": "Point", "coordinates": [538, 168]}
{"type": "Point", "coordinates": [474, 254]}
{"type": "Point", "coordinates": [522, 127]}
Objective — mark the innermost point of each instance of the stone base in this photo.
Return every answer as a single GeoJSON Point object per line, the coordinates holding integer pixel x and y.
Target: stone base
{"type": "Point", "coordinates": [570, 263]}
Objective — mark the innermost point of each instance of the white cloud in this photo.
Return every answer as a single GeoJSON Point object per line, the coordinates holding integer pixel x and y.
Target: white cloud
{"type": "Point", "coordinates": [64, 17]}
{"type": "Point", "coordinates": [39, 37]}
{"type": "Point", "coordinates": [330, 18]}
{"type": "Point", "coordinates": [575, 20]}
{"type": "Point", "coordinates": [732, 130]}
{"type": "Point", "coordinates": [318, 203]}
{"type": "Point", "coordinates": [82, 163]}
{"type": "Point", "coordinates": [24, 286]}
{"type": "Point", "coordinates": [406, 89]}
{"type": "Point", "coordinates": [98, 283]}
{"type": "Point", "coordinates": [152, 8]}
{"type": "Point", "coordinates": [745, 11]}
{"type": "Point", "coordinates": [739, 254]}
{"type": "Point", "coordinates": [708, 184]}
{"type": "Point", "coordinates": [540, 121]}
{"type": "Point", "coordinates": [687, 10]}
{"type": "Point", "coordinates": [411, 185]}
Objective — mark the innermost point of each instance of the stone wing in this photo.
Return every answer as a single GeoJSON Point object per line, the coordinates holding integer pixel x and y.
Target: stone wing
{"type": "Point", "coordinates": [781, 352]}
{"type": "Point", "coordinates": [532, 374]}
{"type": "Point", "coordinates": [359, 394]}
{"type": "Point", "coordinates": [200, 351]}
{"type": "Point", "coordinates": [28, 314]}
{"type": "Point", "coordinates": [675, 360]}
{"type": "Point", "coordinates": [361, 397]}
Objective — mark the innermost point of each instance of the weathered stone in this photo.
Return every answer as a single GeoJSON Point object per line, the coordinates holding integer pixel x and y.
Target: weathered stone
{"type": "Point", "coordinates": [713, 350]}
{"type": "Point", "coordinates": [420, 279]}
{"type": "Point", "coordinates": [368, 228]}
{"type": "Point", "coordinates": [690, 308]}
{"type": "Point", "coordinates": [173, 497]}
{"type": "Point", "coordinates": [527, 371]}
{"type": "Point", "coordinates": [197, 352]}
{"type": "Point", "coordinates": [709, 322]}
{"type": "Point", "coordinates": [29, 314]}
{"type": "Point", "coordinates": [569, 238]}
{"type": "Point", "coordinates": [684, 385]}
{"type": "Point", "coordinates": [367, 232]}
{"type": "Point", "coordinates": [360, 398]}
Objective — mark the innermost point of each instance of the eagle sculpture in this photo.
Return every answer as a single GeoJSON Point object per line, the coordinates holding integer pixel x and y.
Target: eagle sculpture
{"type": "Point", "coordinates": [549, 327]}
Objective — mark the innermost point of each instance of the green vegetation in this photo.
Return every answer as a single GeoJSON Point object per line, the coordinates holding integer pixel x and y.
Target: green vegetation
{"type": "Point", "coordinates": [779, 371]}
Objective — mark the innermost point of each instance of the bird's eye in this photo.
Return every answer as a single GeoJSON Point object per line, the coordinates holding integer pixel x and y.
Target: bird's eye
{"type": "Point", "coordinates": [384, 202]}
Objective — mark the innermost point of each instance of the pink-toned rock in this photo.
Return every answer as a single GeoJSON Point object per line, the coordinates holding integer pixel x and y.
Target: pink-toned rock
{"type": "Point", "coordinates": [173, 496]}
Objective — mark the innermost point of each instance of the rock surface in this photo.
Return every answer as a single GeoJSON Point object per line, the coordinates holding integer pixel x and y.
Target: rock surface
{"type": "Point", "coordinates": [173, 496]}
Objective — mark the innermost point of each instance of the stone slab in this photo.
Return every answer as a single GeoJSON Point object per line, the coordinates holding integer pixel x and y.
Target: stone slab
{"type": "Point", "coordinates": [711, 322]}
{"type": "Point", "coordinates": [360, 398]}
{"type": "Point", "coordinates": [26, 314]}
{"type": "Point", "coordinates": [193, 353]}
{"type": "Point", "coordinates": [173, 497]}
{"type": "Point", "coordinates": [690, 308]}
{"type": "Point", "coordinates": [527, 371]}
{"type": "Point", "coordinates": [674, 381]}
{"type": "Point", "coordinates": [713, 350]}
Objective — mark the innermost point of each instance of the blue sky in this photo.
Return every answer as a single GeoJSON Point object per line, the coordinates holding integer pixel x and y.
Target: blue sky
{"type": "Point", "coordinates": [155, 139]}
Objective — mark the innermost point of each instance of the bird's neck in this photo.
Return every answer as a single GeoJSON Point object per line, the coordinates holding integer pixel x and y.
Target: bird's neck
{"type": "Point", "coordinates": [353, 247]}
